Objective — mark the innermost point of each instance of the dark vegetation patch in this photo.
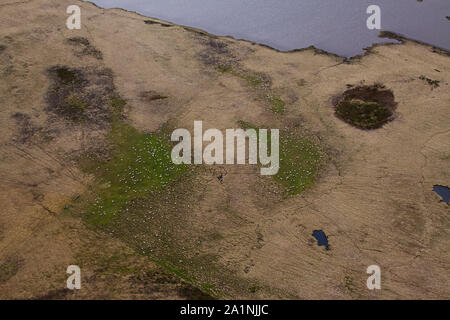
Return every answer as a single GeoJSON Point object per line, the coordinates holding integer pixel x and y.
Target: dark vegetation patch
{"type": "Point", "coordinates": [348, 284]}
{"type": "Point", "coordinates": [441, 51]}
{"type": "Point", "coordinates": [191, 292]}
{"type": "Point", "coordinates": [217, 46]}
{"type": "Point", "coordinates": [27, 130]}
{"type": "Point", "coordinates": [56, 294]}
{"type": "Point", "coordinates": [366, 107]}
{"type": "Point", "coordinates": [8, 71]}
{"type": "Point", "coordinates": [364, 115]}
{"type": "Point", "coordinates": [85, 48]}
{"type": "Point", "coordinates": [165, 25]}
{"type": "Point", "coordinates": [68, 76]}
{"type": "Point", "coordinates": [135, 273]}
{"type": "Point", "coordinates": [156, 281]}
{"type": "Point", "coordinates": [80, 95]}
{"type": "Point", "coordinates": [2, 48]}
{"type": "Point", "coordinates": [9, 268]}
{"type": "Point", "coordinates": [433, 83]}
{"type": "Point", "coordinates": [224, 68]}
{"type": "Point", "coordinates": [117, 106]}
{"type": "Point", "coordinates": [390, 35]}
{"type": "Point", "coordinates": [401, 39]}
{"type": "Point", "coordinates": [24, 123]}
{"type": "Point", "coordinates": [215, 52]}
{"type": "Point", "coordinates": [152, 96]}
{"type": "Point", "coordinates": [200, 32]}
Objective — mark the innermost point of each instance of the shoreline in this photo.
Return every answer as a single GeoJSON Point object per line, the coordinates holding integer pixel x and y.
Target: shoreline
{"type": "Point", "coordinates": [367, 50]}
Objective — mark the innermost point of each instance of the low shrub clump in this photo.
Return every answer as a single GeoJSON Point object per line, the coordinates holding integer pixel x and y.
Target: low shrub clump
{"type": "Point", "coordinates": [364, 115]}
{"type": "Point", "coordinates": [366, 107]}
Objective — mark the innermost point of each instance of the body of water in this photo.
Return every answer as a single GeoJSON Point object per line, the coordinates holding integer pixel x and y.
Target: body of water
{"type": "Point", "coordinates": [443, 192]}
{"type": "Point", "coordinates": [321, 237]}
{"type": "Point", "coordinates": [337, 26]}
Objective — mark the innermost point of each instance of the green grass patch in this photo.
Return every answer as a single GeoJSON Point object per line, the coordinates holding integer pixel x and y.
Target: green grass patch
{"type": "Point", "coordinates": [117, 105]}
{"type": "Point", "coordinates": [246, 125]}
{"type": "Point", "coordinates": [277, 105]}
{"type": "Point", "coordinates": [74, 107]}
{"type": "Point", "coordinates": [363, 115]}
{"type": "Point", "coordinates": [207, 288]}
{"type": "Point", "coordinates": [300, 160]}
{"type": "Point", "coordinates": [139, 165]}
{"type": "Point", "coordinates": [256, 81]}
{"type": "Point", "coordinates": [252, 79]}
{"type": "Point", "coordinates": [348, 282]}
{"type": "Point", "coordinates": [224, 69]}
{"type": "Point", "coordinates": [178, 271]}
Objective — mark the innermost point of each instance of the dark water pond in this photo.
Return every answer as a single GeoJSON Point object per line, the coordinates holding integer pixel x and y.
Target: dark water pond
{"type": "Point", "coordinates": [321, 237]}
{"type": "Point", "coordinates": [443, 192]}
{"type": "Point", "coordinates": [337, 26]}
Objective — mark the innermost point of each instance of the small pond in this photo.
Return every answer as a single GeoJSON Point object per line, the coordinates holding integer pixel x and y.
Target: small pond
{"type": "Point", "coordinates": [443, 192]}
{"type": "Point", "coordinates": [321, 237]}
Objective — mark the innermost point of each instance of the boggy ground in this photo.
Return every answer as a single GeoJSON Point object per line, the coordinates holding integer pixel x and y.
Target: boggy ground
{"type": "Point", "coordinates": [85, 120]}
